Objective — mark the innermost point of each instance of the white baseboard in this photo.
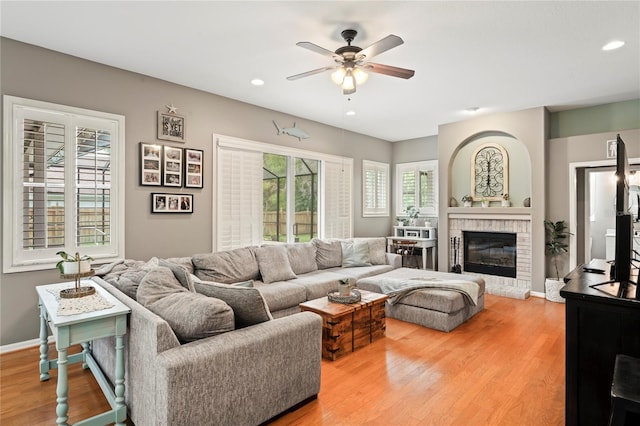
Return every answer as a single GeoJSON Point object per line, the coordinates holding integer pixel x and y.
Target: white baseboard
{"type": "Point", "coordinates": [23, 345]}
{"type": "Point", "coordinates": [537, 294]}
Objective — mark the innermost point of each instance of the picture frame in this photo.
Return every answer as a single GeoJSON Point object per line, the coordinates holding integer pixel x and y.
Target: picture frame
{"type": "Point", "coordinates": [171, 127]}
{"type": "Point", "coordinates": [193, 167]}
{"type": "Point", "coordinates": [172, 166]}
{"type": "Point", "coordinates": [150, 164]}
{"type": "Point", "coordinates": [162, 202]}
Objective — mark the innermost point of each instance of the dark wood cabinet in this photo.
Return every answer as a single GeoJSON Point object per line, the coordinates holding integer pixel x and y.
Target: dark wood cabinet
{"type": "Point", "coordinates": [598, 327]}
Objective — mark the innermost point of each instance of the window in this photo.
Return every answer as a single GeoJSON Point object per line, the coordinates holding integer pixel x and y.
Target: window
{"type": "Point", "coordinates": [63, 174]}
{"type": "Point", "coordinates": [417, 186]}
{"type": "Point", "coordinates": [279, 173]}
{"type": "Point", "coordinates": [375, 189]}
{"type": "Point", "coordinates": [273, 193]}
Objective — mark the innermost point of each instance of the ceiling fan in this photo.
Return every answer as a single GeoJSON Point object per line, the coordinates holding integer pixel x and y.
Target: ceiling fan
{"type": "Point", "coordinates": [352, 61]}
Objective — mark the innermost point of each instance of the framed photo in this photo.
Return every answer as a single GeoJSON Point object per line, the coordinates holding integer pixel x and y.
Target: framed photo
{"type": "Point", "coordinates": [150, 164]}
{"type": "Point", "coordinates": [171, 203]}
{"type": "Point", "coordinates": [172, 170]}
{"type": "Point", "coordinates": [170, 127]}
{"type": "Point", "coordinates": [193, 162]}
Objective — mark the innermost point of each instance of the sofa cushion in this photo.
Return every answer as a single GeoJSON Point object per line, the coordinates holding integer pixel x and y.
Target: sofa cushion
{"type": "Point", "coordinates": [319, 283]}
{"type": "Point", "coordinates": [192, 316]}
{"type": "Point", "coordinates": [273, 262]}
{"type": "Point", "coordinates": [355, 254]}
{"type": "Point", "coordinates": [247, 303]}
{"type": "Point", "coordinates": [182, 261]}
{"type": "Point", "coordinates": [328, 253]}
{"type": "Point", "coordinates": [227, 266]}
{"type": "Point", "coordinates": [281, 295]}
{"type": "Point", "coordinates": [302, 257]}
{"type": "Point", "coordinates": [377, 249]}
{"type": "Point", "coordinates": [180, 272]}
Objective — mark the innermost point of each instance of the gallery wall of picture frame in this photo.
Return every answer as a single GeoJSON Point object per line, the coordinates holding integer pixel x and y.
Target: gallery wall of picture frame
{"type": "Point", "coordinates": [163, 165]}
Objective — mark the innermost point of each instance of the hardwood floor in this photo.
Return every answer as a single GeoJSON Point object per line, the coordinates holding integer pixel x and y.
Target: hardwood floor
{"type": "Point", "coordinates": [503, 367]}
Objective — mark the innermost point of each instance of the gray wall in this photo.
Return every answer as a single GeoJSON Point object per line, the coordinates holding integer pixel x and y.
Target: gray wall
{"type": "Point", "coordinates": [36, 73]}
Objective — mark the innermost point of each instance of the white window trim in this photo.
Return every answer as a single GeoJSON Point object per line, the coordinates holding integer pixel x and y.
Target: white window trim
{"type": "Point", "coordinates": [417, 166]}
{"type": "Point", "coordinates": [377, 210]}
{"type": "Point", "coordinates": [231, 142]}
{"type": "Point", "coordinates": [12, 223]}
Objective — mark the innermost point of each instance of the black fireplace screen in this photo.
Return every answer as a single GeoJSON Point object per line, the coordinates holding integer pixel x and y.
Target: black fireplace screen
{"type": "Point", "coordinates": [491, 253]}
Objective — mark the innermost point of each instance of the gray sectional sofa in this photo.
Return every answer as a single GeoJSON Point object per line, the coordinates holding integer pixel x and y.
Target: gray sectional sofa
{"type": "Point", "coordinates": [248, 353]}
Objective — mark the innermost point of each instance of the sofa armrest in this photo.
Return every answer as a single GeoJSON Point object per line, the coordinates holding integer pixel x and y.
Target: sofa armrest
{"type": "Point", "coordinates": [394, 260]}
{"type": "Point", "coordinates": [246, 376]}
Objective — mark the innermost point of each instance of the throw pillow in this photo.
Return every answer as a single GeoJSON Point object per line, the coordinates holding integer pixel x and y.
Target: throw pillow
{"type": "Point", "coordinates": [328, 253]}
{"type": "Point", "coordinates": [355, 254]}
{"type": "Point", "coordinates": [227, 266]}
{"type": "Point", "coordinates": [247, 303]}
{"type": "Point", "coordinates": [302, 257]}
{"type": "Point", "coordinates": [273, 262]}
{"type": "Point", "coordinates": [180, 272]}
{"type": "Point", "coordinates": [191, 316]}
{"type": "Point", "coordinates": [377, 249]}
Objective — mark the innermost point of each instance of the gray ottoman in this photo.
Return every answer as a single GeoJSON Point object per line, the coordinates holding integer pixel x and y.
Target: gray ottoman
{"type": "Point", "coordinates": [438, 309]}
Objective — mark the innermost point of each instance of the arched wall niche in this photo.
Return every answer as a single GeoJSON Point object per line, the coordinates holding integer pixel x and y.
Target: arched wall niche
{"type": "Point", "coordinates": [460, 175]}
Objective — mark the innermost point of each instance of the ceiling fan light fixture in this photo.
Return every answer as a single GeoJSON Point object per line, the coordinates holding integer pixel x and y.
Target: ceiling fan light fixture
{"type": "Point", "coordinates": [338, 75]}
{"type": "Point", "coordinates": [349, 83]}
{"type": "Point", "coordinates": [360, 76]}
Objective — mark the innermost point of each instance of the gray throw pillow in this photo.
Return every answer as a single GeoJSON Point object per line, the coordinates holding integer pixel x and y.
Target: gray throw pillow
{"type": "Point", "coordinates": [355, 254]}
{"type": "Point", "coordinates": [191, 316]}
{"type": "Point", "coordinates": [302, 257]}
{"type": "Point", "coordinates": [247, 303]}
{"type": "Point", "coordinates": [274, 264]}
{"type": "Point", "coordinates": [377, 249]}
{"type": "Point", "coordinates": [180, 272]}
{"type": "Point", "coordinates": [328, 253]}
{"type": "Point", "coordinates": [227, 266]}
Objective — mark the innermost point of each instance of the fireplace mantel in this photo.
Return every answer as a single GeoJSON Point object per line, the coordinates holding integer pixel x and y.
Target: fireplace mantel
{"type": "Point", "coordinates": [489, 210]}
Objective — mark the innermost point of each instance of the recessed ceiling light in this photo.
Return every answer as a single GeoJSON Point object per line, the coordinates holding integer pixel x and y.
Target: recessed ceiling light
{"type": "Point", "coordinates": [257, 82]}
{"type": "Point", "coordinates": [612, 45]}
{"type": "Point", "coordinates": [350, 112]}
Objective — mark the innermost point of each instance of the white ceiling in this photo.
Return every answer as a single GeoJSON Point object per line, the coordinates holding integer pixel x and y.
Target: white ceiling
{"type": "Point", "coordinates": [497, 55]}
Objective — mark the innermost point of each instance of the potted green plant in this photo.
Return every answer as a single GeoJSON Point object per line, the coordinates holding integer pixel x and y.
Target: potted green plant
{"type": "Point", "coordinates": [484, 201]}
{"type": "Point", "coordinates": [557, 233]}
{"type": "Point", "coordinates": [505, 200]}
{"type": "Point", "coordinates": [401, 221]}
{"type": "Point", "coordinates": [412, 213]}
{"type": "Point", "coordinates": [467, 201]}
{"type": "Point", "coordinates": [73, 264]}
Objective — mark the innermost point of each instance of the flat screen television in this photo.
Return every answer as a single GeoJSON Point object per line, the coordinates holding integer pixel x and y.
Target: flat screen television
{"type": "Point", "coordinates": [622, 264]}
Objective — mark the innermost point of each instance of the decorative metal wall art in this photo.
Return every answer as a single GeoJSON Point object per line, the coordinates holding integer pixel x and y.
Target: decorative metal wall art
{"type": "Point", "coordinates": [489, 172]}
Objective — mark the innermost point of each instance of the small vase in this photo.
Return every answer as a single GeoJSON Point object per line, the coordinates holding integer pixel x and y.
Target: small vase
{"type": "Point", "coordinates": [485, 204]}
{"type": "Point", "coordinates": [467, 203]}
{"type": "Point", "coordinates": [506, 203]}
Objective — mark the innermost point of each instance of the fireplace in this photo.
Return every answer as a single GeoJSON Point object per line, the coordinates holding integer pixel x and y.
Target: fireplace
{"type": "Point", "coordinates": [491, 253]}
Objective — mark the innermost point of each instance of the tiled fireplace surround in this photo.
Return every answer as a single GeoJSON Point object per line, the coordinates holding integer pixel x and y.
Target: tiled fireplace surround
{"type": "Point", "coordinates": [519, 287]}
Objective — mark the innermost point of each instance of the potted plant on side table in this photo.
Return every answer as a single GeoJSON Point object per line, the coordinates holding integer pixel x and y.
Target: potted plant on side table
{"type": "Point", "coordinates": [76, 267]}
{"type": "Point", "coordinates": [555, 246]}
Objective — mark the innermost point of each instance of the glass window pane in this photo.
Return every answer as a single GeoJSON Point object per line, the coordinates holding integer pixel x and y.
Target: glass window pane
{"type": "Point", "coordinates": [305, 225]}
{"type": "Point", "coordinates": [274, 197]}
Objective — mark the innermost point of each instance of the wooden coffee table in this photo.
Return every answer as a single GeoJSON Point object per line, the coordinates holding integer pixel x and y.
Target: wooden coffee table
{"type": "Point", "coordinates": [346, 328]}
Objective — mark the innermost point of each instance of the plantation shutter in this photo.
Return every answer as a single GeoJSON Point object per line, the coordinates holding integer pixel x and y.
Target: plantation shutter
{"type": "Point", "coordinates": [417, 185]}
{"type": "Point", "coordinates": [239, 198]}
{"type": "Point", "coordinates": [337, 214]}
{"type": "Point", "coordinates": [66, 191]}
{"type": "Point", "coordinates": [375, 189]}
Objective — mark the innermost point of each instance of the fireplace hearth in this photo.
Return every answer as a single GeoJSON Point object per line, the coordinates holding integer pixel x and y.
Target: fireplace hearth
{"type": "Point", "coordinates": [491, 253]}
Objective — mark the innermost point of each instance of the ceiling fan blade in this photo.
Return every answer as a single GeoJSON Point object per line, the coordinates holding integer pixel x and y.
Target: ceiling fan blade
{"type": "Point", "coordinates": [308, 73]}
{"type": "Point", "coordinates": [389, 42]}
{"type": "Point", "coordinates": [315, 48]}
{"type": "Point", "coordinates": [389, 70]}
